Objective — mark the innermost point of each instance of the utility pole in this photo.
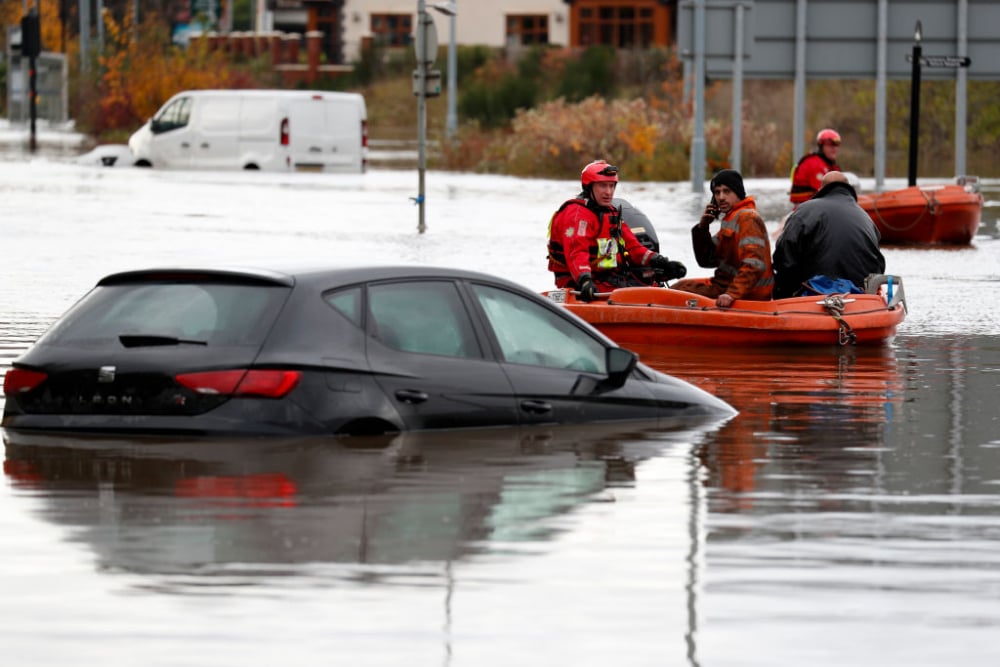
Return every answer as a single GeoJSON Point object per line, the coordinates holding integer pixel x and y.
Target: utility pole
{"type": "Point", "coordinates": [31, 47]}
{"type": "Point", "coordinates": [426, 83]}
{"type": "Point", "coordinates": [451, 123]}
{"type": "Point", "coordinates": [914, 107]}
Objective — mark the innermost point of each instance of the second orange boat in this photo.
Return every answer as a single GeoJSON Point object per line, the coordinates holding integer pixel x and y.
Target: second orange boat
{"type": "Point", "coordinates": [926, 214]}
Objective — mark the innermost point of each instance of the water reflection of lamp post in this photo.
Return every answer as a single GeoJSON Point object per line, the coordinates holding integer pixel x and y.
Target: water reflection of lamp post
{"type": "Point", "coordinates": [426, 83]}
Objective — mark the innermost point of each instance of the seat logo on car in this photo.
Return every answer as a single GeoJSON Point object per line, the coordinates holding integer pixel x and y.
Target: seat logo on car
{"type": "Point", "coordinates": [106, 374]}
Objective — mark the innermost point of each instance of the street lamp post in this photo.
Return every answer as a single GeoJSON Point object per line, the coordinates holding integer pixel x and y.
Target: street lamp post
{"type": "Point", "coordinates": [451, 123]}
{"type": "Point", "coordinates": [426, 83]}
{"type": "Point", "coordinates": [914, 106]}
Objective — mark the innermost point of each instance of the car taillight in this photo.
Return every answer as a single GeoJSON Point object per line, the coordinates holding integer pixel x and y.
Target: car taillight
{"type": "Point", "coordinates": [364, 146]}
{"type": "Point", "coordinates": [21, 380]}
{"type": "Point", "coordinates": [284, 131]}
{"type": "Point", "coordinates": [266, 383]}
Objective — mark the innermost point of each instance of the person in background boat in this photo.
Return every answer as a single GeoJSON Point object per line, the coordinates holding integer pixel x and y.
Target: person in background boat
{"type": "Point", "coordinates": [809, 172]}
{"type": "Point", "coordinates": [740, 251]}
{"type": "Point", "coordinates": [829, 235]}
{"type": "Point", "coordinates": [591, 248]}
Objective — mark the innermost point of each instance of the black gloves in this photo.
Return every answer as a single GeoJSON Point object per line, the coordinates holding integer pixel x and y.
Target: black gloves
{"type": "Point", "coordinates": [587, 290]}
{"type": "Point", "coordinates": [669, 270]}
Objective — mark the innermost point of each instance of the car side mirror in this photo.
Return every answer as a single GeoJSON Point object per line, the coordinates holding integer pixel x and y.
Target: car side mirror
{"type": "Point", "coordinates": [154, 126]}
{"type": "Point", "coordinates": [620, 364]}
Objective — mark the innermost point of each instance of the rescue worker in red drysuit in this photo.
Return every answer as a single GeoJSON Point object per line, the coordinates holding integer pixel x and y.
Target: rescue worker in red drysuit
{"type": "Point", "coordinates": [740, 251]}
{"type": "Point", "coordinates": [808, 173]}
{"type": "Point", "coordinates": [591, 248]}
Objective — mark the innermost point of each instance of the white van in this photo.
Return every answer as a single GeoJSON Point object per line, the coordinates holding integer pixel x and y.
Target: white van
{"type": "Point", "coordinates": [272, 130]}
{"type": "Point", "coordinates": [329, 131]}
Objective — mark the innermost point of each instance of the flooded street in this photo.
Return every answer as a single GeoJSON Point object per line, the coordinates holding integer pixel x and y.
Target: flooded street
{"type": "Point", "coordinates": [850, 515]}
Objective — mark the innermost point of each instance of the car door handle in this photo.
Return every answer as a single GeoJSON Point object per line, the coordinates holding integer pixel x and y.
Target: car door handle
{"type": "Point", "coordinates": [315, 149]}
{"type": "Point", "coordinates": [185, 144]}
{"type": "Point", "coordinates": [536, 407]}
{"type": "Point", "coordinates": [411, 396]}
{"type": "Point", "coordinates": [205, 145]}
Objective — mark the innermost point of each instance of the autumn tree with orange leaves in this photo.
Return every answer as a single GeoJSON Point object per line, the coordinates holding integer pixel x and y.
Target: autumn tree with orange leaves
{"type": "Point", "coordinates": [138, 70]}
{"type": "Point", "coordinates": [125, 79]}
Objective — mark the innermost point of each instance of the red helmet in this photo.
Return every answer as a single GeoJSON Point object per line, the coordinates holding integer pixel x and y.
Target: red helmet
{"type": "Point", "coordinates": [598, 170]}
{"type": "Point", "coordinates": [827, 136]}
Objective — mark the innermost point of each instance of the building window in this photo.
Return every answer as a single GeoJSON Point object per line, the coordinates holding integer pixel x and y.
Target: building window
{"type": "Point", "coordinates": [527, 29]}
{"type": "Point", "coordinates": [392, 29]}
{"type": "Point", "coordinates": [624, 26]}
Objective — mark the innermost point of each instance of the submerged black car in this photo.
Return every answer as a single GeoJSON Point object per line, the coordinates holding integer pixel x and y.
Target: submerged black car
{"type": "Point", "coordinates": [342, 351]}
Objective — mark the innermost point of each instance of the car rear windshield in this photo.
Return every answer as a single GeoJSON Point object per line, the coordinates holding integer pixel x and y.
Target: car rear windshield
{"type": "Point", "coordinates": [212, 313]}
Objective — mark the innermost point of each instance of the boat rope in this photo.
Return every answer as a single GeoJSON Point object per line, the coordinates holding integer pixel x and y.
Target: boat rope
{"type": "Point", "coordinates": [931, 206]}
{"type": "Point", "coordinates": [834, 305]}
{"type": "Point", "coordinates": [741, 313]}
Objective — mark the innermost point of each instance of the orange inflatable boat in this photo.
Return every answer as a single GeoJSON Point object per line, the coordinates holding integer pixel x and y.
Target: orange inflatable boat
{"type": "Point", "coordinates": [926, 214]}
{"type": "Point", "coordinates": [645, 317]}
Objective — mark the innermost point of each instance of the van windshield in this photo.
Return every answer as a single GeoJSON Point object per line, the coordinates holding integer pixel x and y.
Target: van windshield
{"type": "Point", "coordinates": [174, 115]}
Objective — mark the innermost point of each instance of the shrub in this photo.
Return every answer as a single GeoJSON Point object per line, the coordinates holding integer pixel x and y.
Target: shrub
{"type": "Point", "coordinates": [592, 74]}
{"type": "Point", "coordinates": [496, 94]}
{"type": "Point", "coordinates": [558, 137]}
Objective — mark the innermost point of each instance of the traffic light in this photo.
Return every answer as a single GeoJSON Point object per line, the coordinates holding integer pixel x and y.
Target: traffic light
{"type": "Point", "coordinates": [31, 36]}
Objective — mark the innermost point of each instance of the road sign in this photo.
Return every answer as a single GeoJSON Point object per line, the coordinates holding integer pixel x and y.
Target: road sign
{"type": "Point", "coordinates": [426, 42]}
{"type": "Point", "coordinates": [942, 61]}
{"type": "Point", "coordinates": [841, 37]}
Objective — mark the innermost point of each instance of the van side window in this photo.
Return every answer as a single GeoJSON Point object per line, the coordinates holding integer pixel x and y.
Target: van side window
{"type": "Point", "coordinates": [174, 115]}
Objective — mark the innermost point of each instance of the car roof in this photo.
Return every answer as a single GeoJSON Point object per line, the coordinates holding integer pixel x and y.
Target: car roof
{"type": "Point", "coordinates": [289, 273]}
{"type": "Point", "coordinates": [323, 277]}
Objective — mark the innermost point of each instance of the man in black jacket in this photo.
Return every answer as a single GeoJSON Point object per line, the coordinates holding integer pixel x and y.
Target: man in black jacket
{"type": "Point", "coordinates": [829, 235]}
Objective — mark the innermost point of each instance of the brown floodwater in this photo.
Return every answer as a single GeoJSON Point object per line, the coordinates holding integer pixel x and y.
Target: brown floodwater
{"type": "Point", "coordinates": [850, 514]}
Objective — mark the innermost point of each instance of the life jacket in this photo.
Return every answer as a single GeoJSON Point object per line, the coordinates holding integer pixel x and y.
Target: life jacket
{"type": "Point", "coordinates": [802, 189]}
{"type": "Point", "coordinates": [734, 243]}
{"type": "Point", "coordinates": [609, 259]}
{"type": "Point", "coordinates": [606, 256]}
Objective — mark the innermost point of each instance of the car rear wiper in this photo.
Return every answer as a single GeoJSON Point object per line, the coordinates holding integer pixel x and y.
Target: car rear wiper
{"type": "Point", "coordinates": [150, 340]}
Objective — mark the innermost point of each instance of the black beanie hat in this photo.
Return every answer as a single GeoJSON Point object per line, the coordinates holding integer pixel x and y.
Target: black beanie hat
{"type": "Point", "coordinates": [732, 180]}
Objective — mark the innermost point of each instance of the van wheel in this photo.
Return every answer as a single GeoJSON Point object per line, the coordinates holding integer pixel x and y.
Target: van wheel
{"type": "Point", "coordinates": [251, 167]}
{"type": "Point", "coordinates": [143, 163]}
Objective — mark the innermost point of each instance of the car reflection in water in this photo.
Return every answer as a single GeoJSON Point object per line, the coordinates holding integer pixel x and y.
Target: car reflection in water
{"type": "Point", "coordinates": [198, 507]}
{"type": "Point", "coordinates": [809, 418]}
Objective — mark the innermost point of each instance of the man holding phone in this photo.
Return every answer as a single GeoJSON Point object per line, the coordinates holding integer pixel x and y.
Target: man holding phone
{"type": "Point", "coordinates": [740, 251]}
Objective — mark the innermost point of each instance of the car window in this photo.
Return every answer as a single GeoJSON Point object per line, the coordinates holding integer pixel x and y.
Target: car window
{"type": "Point", "coordinates": [347, 302]}
{"type": "Point", "coordinates": [528, 333]}
{"type": "Point", "coordinates": [215, 313]}
{"type": "Point", "coordinates": [427, 317]}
